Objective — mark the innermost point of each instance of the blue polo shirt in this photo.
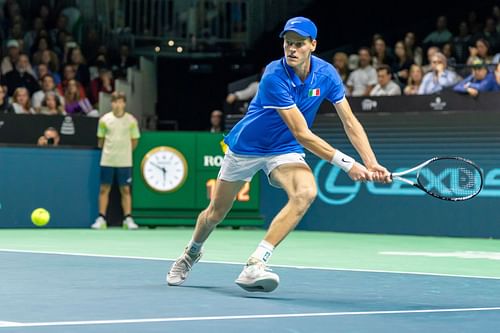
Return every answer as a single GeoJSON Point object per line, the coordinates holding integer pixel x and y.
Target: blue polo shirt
{"type": "Point", "coordinates": [262, 131]}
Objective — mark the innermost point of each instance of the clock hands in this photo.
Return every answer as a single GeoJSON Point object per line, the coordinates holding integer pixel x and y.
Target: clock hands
{"type": "Point", "coordinates": [159, 167]}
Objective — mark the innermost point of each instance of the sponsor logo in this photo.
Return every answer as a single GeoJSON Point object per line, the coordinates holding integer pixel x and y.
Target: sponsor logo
{"type": "Point", "coordinates": [336, 188]}
{"type": "Point", "coordinates": [438, 104]}
{"type": "Point", "coordinates": [368, 104]}
{"type": "Point", "coordinates": [67, 126]}
{"type": "Point", "coordinates": [212, 161]}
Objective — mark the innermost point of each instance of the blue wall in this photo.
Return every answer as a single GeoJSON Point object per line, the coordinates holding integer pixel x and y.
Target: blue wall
{"type": "Point", "coordinates": [402, 141]}
{"type": "Point", "coordinates": [64, 181]}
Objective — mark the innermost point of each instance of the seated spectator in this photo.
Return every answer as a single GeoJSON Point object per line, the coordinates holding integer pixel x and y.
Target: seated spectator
{"type": "Point", "coordinates": [480, 80]}
{"type": "Point", "coordinates": [52, 64]}
{"type": "Point", "coordinates": [414, 51]}
{"type": "Point", "coordinates": [103, 83]}
{"type": "Point", "coordinates": [448, 52]}
{"type": "Point", "coordinates": [381, 55]}
{"type": "Point", "coordinates": [51, 105]}
{"type": "Point", "coordinates": [5, 106]}
{"type": "Point", "coordinates": [50, 137]}
{"type": "Point", "coordinates": [43, 45]}
{"type": "Point", "coordinates": [20, 77]}
{"type": "Point", "coordinates": [10, 60]}
{"type": "Point", "coordinates": [41, 70]}
{"type": "Point", "coordinates": [489, 33]}
{"type": "Point", "coordinates": [439, 78]}
{"type": "Point", "coordinates": [439, 36]}
{"type": "Point", "coordinates": [385, 85]}
{"type": "Point", "coordinates": [48, 86]}
{"type": "Point", "coordinates": [431, 51]}
{"type": "Point", "coordinates": [414, 80]}
{"type": "Point", "coordinates": [480, 50]}
{"type": "Point", "coordinates": [216, 121]}
{"type": "Point", "coordinates": [21, 102]}
{"type": "Point", "coordinates": [78, 61]}
{"type": "Point", "coordinates": [75, 104]}
{"type": "Point", "coordinates": [341, 63]}
{"type": "Point", "coordinates": [69, 73]}
{"type": "Point", "coordinates": [362, 80]}
{"type": "Point", "coordinates": [123, 61]}
{"type": "Point", "coordinates": [497, 74]}
{"type": "Point", "coordinates": [401, 66]}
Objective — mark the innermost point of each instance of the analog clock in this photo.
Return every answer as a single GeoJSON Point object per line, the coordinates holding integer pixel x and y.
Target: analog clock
{"type": "Point", "coordinates": [164, 169]}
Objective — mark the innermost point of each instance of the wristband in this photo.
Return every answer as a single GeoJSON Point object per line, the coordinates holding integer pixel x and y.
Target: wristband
{"type": "Point", "coordinates": [343, 161]}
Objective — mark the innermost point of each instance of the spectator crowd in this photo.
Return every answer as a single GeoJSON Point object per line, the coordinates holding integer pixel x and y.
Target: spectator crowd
{"type": "Point", "coordinates": [45, 69]}
{"type": "Point", "coordinates": [465, 61]}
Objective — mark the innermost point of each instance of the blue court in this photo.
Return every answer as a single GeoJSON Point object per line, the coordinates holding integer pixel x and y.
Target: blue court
{"type": "Point", "coordinates": [55, 293]}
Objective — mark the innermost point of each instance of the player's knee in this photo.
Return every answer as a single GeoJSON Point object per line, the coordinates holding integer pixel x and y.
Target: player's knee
{"type": "Point", "coordinates": [304, 197]}
{"type": "Point", "coordinates": [215, 215]}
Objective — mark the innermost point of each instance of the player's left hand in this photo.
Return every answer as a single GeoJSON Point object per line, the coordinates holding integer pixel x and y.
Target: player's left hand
{"type": "Point", "coordinates": [380, 173]}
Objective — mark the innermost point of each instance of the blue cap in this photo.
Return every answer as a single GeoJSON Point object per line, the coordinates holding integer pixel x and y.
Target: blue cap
{"type": "Point", "coordinates": [301, 25]}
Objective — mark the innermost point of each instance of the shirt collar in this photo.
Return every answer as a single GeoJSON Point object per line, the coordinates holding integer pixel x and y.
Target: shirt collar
{"type": "Point", "coordinates": [294, 77]}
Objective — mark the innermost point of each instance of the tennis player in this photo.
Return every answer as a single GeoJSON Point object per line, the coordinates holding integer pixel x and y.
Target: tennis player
{"type": "Point", "coordinates": [271, 137]}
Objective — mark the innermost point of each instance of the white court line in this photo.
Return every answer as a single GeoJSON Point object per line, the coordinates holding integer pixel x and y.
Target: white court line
{"type": "Point", "coordinates": [241, 317]}
{"type": "Point", "coordinates": [8, 324]}
{"type": "Point", "coordinates": [240, 263]}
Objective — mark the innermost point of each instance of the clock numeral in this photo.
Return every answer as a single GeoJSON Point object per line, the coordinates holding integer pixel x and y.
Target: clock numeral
{"type": "Point", "coordinates": [243, 195]}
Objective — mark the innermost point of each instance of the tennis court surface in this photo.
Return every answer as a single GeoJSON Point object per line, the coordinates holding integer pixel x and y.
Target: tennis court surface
{"type": "Point", "coordinates": [113, 281]}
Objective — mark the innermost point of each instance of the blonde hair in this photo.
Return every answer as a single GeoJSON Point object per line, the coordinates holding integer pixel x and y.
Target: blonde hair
{"type": "Point", "coordinates": [16, 94]}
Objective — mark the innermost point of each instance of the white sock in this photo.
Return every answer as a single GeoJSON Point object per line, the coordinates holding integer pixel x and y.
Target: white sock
{"type": "Point", "coordinates": [194, 248]}
{"type": "Point", "coordinates": [263, 251]}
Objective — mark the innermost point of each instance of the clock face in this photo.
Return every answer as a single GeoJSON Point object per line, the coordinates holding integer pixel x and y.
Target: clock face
{"type": "Point", "coordinates": [164, 169]}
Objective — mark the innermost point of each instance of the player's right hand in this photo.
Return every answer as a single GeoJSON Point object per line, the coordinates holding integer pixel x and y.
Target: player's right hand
{"type": "Point", "coordinates": [359, 173]}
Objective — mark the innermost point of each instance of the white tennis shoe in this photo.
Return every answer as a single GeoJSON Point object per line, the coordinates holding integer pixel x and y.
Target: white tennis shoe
{"type": "Point", "coordinates": [100, 223]}
{"type": "Point", "coordinates": [180, 269]}
{"type": "Point", "coordinates": [129, 223]}
{"type": "Point", "coordinates": [258, 277]}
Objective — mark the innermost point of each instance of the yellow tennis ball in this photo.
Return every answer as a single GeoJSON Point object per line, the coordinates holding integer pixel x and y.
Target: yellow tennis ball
{"type": "Point", "coordinates": [40, 217]}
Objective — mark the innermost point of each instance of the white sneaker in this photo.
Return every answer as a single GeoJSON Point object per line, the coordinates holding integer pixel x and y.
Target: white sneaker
{"type": "Point", "coordinates": [258, 277]}
{"type": "Point", "coordinates": [100, 223]}
{"type": "Point", "coordinates": [180, 269]}
{"type": "Point", "coordinates": [129, 223]}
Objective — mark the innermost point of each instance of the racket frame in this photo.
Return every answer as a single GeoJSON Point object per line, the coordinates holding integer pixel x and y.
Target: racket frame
{"type": "Point", "coordinates": [397, 176]}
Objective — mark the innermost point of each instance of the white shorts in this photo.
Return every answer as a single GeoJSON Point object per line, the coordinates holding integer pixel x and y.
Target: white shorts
{"type": "Point", "coordinates": [242, 167]}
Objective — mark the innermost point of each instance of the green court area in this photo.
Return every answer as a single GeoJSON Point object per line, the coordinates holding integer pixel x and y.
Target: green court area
{"type": "Point", "coordinates": [435, 255]}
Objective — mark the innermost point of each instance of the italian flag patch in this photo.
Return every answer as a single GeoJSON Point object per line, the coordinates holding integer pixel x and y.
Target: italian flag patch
{"type": "Point", "coordinates": [314, 92]}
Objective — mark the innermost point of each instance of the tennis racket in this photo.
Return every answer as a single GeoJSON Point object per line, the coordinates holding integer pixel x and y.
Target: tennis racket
{"type": "Point", "coordinates": [446, 178]}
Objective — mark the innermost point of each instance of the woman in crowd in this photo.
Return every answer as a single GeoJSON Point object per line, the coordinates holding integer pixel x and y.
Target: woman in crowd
{"type": "Point", "coordinates": [401, 66]}
{"type": "Point", "coordinates": [51, 105]}
{"type": "Point", "coordinates": [414, 80]}
{"type": "Point", "coordinates": [74, 103]}
{"type": "Point", "coordinates": [21, 103]}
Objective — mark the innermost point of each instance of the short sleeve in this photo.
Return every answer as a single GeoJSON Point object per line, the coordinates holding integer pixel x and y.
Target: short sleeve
{"type": "Point", "coordinates": [275, 93]}
{"type": "Point", "coordinates": [337, 91]}
{"type": "Point", "coordinates": [101, 129]}
{"type": "Point", "coordinates": [134, 129]}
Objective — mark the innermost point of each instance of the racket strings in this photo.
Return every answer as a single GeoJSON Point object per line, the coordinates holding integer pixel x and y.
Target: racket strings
{"type": "Point", "coordinates": [450, 178]}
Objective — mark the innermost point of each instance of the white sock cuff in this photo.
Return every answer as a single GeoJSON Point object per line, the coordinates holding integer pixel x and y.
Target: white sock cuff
{"type": "Point", "coordinates": [266, 245]}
